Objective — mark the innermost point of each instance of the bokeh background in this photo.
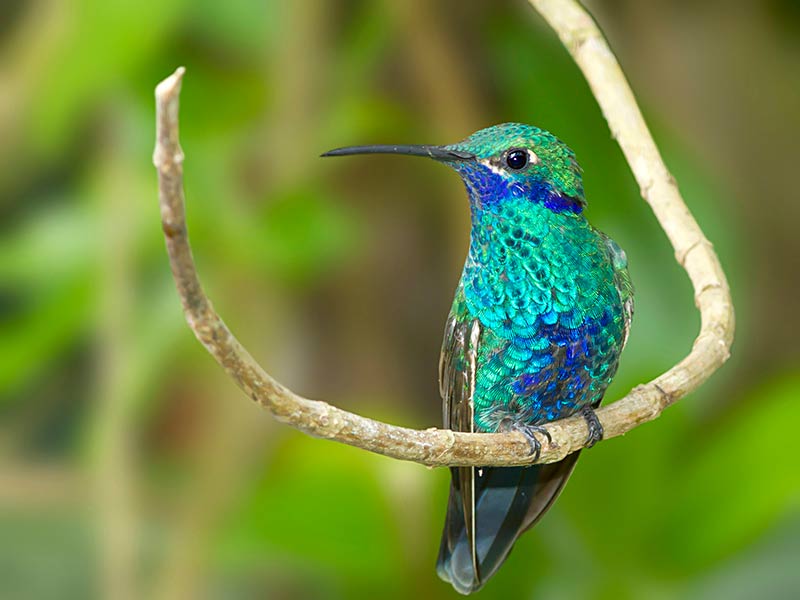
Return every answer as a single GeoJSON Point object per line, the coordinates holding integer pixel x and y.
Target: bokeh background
{"type": "Point", "coordinates": [130, 467]}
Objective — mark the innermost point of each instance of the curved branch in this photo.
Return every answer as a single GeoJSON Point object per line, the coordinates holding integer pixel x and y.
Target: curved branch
{"type": "Point", "coordinates": [439, 447]}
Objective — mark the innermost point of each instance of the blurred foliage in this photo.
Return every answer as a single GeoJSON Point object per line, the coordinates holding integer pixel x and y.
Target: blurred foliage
{"type": "Point", "coordinates": [132, 468]}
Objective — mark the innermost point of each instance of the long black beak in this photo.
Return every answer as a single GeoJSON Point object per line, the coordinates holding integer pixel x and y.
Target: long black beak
{"type": "Point", "coordinates": [436, 152]}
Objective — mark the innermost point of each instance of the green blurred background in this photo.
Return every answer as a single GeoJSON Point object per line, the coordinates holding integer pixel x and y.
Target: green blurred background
{"type": "Point", "coordinates": [130, 467]}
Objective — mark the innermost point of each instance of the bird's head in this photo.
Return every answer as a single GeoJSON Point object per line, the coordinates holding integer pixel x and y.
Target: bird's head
{"type": "Point", "coordinates": [511, 160]}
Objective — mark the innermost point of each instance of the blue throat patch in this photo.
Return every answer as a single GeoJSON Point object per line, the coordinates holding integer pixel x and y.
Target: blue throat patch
{"type": "Point", "coordinates": [488, 189]}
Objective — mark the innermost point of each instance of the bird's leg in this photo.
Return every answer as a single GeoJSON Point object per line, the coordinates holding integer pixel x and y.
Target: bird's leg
{"type": "Point", "coordinates": [594, 425]}
{"type": "Point", "coordinates": [530, 431]}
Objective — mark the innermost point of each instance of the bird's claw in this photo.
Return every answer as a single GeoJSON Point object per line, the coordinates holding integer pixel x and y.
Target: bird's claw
{"type": "Point", "coordinates": [530, 431]}
{"type": "Point", "coordinates": [594, 425]}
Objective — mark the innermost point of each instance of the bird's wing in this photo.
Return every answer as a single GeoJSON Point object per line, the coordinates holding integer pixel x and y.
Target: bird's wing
{"type": "Point", "coordinates": [622, 281]}
{"type": "Point", "coordinates": [457, 371]}
{"type": "Point", "coordinates": [458, 366]}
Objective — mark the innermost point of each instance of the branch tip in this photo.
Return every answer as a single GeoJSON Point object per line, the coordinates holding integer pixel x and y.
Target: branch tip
{"type": "Point", "coordinates": [171, 86]}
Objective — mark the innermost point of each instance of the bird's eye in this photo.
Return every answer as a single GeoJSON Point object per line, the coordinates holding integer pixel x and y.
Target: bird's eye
{"type": "Point", "coordinates": [517, 159]}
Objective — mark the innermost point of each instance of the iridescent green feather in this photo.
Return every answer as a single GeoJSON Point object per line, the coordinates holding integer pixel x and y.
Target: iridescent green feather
{"type": "Point", "coordinates": [551, 300]}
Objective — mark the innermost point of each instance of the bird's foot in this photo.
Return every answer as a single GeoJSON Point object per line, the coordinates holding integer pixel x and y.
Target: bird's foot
{"type": "Point", "coordinates": [594, 425]}
{"type": "Point", "coordinates": [530, 431]}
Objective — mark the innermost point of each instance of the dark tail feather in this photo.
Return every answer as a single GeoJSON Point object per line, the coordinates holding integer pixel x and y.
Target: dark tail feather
{"type": "Point", "coordinates": [507, 501]}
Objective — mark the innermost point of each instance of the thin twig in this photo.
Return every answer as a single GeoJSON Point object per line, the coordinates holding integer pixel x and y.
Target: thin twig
{"type": "Point", "coordinates": [115, 464]}
{"type": "Point", "coordinates": [443, 447]}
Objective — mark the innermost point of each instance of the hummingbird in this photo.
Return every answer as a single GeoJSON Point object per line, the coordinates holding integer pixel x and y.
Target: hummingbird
{"type": "Point", "coordinates": [540, 317]}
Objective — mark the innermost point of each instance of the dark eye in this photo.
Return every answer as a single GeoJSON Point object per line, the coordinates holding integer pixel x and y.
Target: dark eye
{"type": "Point", "coordinates": [517, 159]}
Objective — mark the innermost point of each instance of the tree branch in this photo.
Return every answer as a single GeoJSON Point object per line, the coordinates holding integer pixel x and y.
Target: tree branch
{"type": "Point", "coordinates": [439, 447]}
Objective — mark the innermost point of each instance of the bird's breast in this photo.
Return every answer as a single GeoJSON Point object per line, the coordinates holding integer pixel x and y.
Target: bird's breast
{"type": "Point", "coordinates": [519, 280]}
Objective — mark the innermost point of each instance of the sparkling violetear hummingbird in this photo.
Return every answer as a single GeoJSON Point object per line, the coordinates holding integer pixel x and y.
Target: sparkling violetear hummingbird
{"type": "Point", "coordinates": [535, 332]}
